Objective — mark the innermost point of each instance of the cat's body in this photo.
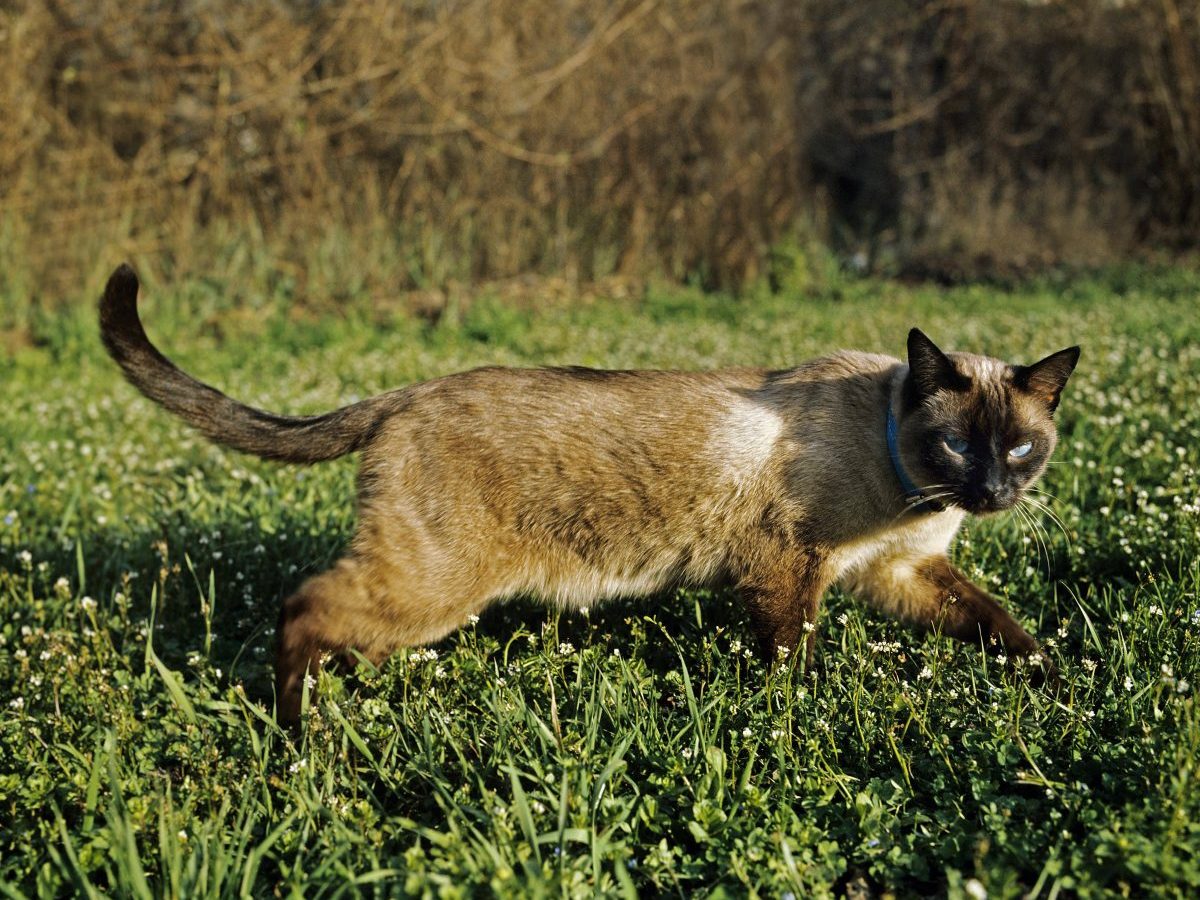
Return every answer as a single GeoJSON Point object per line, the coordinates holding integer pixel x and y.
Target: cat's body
{"type": "Point", "coordinates": [578, 485]}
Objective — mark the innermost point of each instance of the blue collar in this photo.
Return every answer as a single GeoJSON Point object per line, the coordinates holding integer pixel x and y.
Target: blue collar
{"type": "Point", "coordinates": [911, 491]}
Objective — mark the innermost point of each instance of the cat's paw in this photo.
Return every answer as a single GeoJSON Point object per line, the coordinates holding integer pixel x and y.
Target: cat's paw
{"type": "Point", "coordinates": [1043, 673]}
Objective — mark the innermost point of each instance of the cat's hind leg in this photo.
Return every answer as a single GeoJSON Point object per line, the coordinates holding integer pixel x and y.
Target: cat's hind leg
{"type": "Point", "coordinates": [355, 607]}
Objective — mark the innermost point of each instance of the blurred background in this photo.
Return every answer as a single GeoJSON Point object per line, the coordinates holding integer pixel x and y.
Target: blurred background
{"type": "Point", "coordinates": [381, 148]}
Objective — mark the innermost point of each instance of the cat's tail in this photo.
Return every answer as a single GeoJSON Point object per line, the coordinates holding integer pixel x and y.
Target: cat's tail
{"type": "Point", "coordinates": [296, 439]}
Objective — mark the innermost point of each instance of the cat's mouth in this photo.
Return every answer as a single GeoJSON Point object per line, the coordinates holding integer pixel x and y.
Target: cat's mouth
{"type": "Point", "coordinates": [988, 504]}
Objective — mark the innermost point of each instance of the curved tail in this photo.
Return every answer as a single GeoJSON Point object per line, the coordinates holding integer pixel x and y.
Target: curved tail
{"type": "Point", "coordinates": [296, 439]}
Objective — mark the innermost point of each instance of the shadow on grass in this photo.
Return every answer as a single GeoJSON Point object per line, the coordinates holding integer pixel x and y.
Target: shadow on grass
{"type": "Point", "coordinates": [215, 587]}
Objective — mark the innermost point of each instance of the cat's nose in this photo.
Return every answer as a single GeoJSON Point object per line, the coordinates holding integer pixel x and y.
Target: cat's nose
{"type": "Point", "coordinates": [996, 492]}
{"type": "Point", "coordinates": [1001, 498]}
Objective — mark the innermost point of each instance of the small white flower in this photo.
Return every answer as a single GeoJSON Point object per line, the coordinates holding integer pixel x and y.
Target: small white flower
{"type": "Point", "coordinates": [1001, 658]}
{"type": "Point", "coordinates": [26, 558]}
{"type": "Point", "coordinates": [473, 619]}
{"type": "Point", "coordinates": [298, 765]}
{"type": "Point", "coordinates": [183, 836]}
{"type": "Point", "coordinates": [88, 603]}
{"type": "Point", "coordinates": [974, 889]}
{"type": "Point", "coordinates": [17, 703]}
{"type": "Point", "coordinates": [616, 652]}
{"type": "Point", "coordinates": [926, 673]}
{"type": "Point", "coordinates": [809, 627]}
{"type": "Point", "coordinates": [1128, 683]}
{"type": "Point", "coordinates": [746, 732]}
{"type": "Point", "coordinates": [686, 752]}
{"type": "Point", "coordinates": [566, 648]}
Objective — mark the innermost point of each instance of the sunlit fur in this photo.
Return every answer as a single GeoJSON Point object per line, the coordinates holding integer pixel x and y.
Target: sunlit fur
{"type": "Point", "coordinates": [575, 485]}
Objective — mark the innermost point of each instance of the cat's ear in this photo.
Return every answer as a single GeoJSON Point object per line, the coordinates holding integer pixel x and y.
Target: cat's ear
{"type": "Point", "coordinates": [1046, 379]}
{"type": "Point", "coordinates": [930, 369]}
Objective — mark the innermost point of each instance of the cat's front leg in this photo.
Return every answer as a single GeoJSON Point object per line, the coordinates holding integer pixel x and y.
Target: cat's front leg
{"type": "Point", "coordinates": [933, 594]}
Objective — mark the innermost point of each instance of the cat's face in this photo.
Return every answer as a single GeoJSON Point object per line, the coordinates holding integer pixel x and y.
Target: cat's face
{"type": "Point", "coordinates": [980, 431]}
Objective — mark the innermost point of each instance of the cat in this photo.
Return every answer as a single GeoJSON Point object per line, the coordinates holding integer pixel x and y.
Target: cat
{"type": "Point", "coordinates": [576, 485]}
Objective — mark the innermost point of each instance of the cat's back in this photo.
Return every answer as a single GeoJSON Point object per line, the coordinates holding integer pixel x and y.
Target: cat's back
{"type": "Point", "coordinates": [512, 405]}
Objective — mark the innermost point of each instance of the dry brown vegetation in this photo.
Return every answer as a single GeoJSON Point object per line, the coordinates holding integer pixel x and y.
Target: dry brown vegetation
{"type": "Point", "coordinates": [376, 147]}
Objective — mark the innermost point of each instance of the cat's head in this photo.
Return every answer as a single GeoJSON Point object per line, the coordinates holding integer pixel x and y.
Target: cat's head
{"type": "Point", "coordinates": [977, 432]}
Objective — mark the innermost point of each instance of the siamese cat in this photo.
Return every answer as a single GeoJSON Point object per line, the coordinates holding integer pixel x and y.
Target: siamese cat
{"type": "Point", "coordinates": [576, 485]}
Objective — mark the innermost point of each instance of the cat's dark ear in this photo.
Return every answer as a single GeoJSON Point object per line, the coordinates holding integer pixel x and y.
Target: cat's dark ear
{"type": "Point", "coordinates": [1046, 378]}
{"type": "Point", "coordinates": [930, 369]}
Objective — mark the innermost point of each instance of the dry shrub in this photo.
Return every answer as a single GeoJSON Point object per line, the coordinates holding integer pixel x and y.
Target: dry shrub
{"type": "Point", "coordinates": [468, 140]}
{"type": "Point", "coordinates": [972, 137]}
{"type": "Point", "coordinates": [377, 147]}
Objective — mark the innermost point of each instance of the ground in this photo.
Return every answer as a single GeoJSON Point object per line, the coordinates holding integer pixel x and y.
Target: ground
{"type": "Point", "coordinates": [637, 748]}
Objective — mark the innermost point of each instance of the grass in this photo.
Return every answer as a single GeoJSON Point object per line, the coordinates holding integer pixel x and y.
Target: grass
{"type": "Point", "coordinates": [634, 750]}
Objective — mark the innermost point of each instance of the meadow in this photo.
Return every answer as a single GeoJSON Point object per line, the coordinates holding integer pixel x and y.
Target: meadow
{"type": "Point", "coordinates": [637, 749]}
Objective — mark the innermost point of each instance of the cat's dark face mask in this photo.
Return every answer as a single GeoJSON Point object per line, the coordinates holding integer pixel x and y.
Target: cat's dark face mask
{"type": "Point", "coordinates": [979, 430]}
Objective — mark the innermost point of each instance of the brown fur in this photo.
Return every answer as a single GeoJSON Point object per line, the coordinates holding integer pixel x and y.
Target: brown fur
{"type": "Point", "coordinates": [576, 485]}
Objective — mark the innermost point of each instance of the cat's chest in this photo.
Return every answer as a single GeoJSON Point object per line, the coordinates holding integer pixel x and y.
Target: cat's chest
{"type": "Point", "coordinates": [914, 538]}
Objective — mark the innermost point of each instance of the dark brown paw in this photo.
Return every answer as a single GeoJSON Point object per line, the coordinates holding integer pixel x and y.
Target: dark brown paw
{"type": "Point", "coordinates": [1041, 670]}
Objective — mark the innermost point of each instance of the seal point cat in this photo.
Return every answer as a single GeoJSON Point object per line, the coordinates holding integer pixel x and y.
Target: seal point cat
{"type": "Point", "coordinates": [576, 485]}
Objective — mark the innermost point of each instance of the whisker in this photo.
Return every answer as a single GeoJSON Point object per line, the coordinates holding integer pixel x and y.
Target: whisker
{"type": "Point", "coordinates": [1042, 492]}
{"type": "Point", "coordinates": [927, 497]}
{"type": "Point", "coordinates": [1033, 505]}
{"type": "Point", "coordinates": [1038, 541]}
{"type": "Point", "coordinates": [1043, 537]}
{"type": "Point", "coordinates": [1050, 514]}
{"type": "Point", "coordinates": [911, 503]}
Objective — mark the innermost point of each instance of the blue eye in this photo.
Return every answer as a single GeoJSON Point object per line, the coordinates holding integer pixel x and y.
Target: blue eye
{"type": "Point", "coordinates": [955, 444]}
{"type": "Point", "coordinates": [1021, 450]}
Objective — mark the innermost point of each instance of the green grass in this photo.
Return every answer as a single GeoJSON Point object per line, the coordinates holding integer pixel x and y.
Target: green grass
{"type": "Point", "coordinates": [637, 749]}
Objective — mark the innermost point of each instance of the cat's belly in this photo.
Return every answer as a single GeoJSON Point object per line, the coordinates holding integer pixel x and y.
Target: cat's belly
{"type": "Point", "coordinates": [573, 585]}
